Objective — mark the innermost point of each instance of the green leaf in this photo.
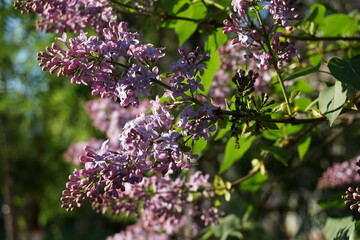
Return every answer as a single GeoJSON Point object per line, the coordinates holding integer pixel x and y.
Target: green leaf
{"type": "Point", "coordinates": [183, 28]}
{"type": "Point", "coordinates": [221, 4]}
{"type": "Point", "coordinates": [331, 101]}
{"type": "Point", "coordinates": [215, 40]}
{"type": "Point", "coordinates": [227, 227]}
{"type": "Point", "coordinates": [212, 67]}
{"type": "Point", "coordinates": [346, 71]}
{"type": "Point", "coordinates": [222, 132]}
{"type": "Point", "coordinates": [339, 228]}
{"type": "Point", "coordinates": [316, 59]}
{"type": "Point", "coordinates": [339, 25]}
{"type": "Point", "coordinates": [279, 153]}
{"type": "Point", "coordinates": [294, 94]}
{"type": "Point", "coordinates": [254, 183]}
{"type": "Point", "coordinates": [170, 6]}
{"type": "Point", "coordinates": [302, 104]}
{"type": "Point", "coordinates": [232, 154]}
{"type": "Point", "coordinates": [303, 146]}
{"type": "Point", "coordinates": [317, 13]}
{"type": "Point", "coordinates": [303, 85]}
{"type": "Point", "coordinates": [303, 72]}
{"type": "Point", "coordinates": [272, 134]}
{"type": "Point", "coordinates": [199, 145]}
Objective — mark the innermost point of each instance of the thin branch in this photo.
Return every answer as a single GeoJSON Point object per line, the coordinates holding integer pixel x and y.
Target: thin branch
{"type": "Point", "coordinates": [246, 177]}
{"type": "Point", "coordinates": [313, 38]}
{"type": "Point", "coordinates": [192, 99]}
{"type": "Point", "coordinates": [165, 16]}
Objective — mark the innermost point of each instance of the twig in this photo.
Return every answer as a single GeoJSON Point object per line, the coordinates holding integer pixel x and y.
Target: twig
{"type": "Point", "coordinates": [246, 177]}
{"type": "Point", "coordinates": [313, 38]}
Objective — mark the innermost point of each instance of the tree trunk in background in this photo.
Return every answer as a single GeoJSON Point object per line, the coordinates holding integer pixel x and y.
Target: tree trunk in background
{"type": "Point", "coordinates": [7, 208]}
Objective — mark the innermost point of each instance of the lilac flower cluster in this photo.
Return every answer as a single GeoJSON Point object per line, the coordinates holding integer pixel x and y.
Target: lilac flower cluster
{"type": "Point", "coordinates": [339, 175]}
{"type": "Point", "coordinates": [352, 195]}
{"type": "Point", "coordinates": [185, 71]}
{"type": "Point", "coordinates": [63, 15]}
{"type": "Point", "coordinates": [146, 143]}
{"type": "Point", "coordinates": [138, 232]}
{"type": "Point", "coordinates": [166, 204]}
{"type": "Point", "coordinates": [109, 117]}
{"type": "Point", "coordinates": [74, 151]}
{"type": "Point", "coordinates": [200, 123]}
{"type": "Point", "coordinates": [284, 11]}
{"type": "Point", "coordinates": [255, 36]}
{"type": "Point", "coordinates": [161, 204]}
{"type": "Point", "coordinates": [117, 67]}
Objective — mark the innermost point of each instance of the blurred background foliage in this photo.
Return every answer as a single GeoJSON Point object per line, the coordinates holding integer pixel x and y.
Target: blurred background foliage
{"type": "Point", "coordinates": [42, 115]}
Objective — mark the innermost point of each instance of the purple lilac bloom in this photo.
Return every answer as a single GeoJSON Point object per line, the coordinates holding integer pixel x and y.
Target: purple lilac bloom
{"type": "Point", "coordinates": [248, 35]}
{"type": "Point", "coordinates": [241, 5]}
{"type": "Point", "coordinates": [117, 67]}
{"type": "Point", "coordinates": [138, 232]}
{"type": "Point", "coordinates": [163, 203]}
{"type": "Point", "coordinates": [186, 71]}
{"type": "Point", "coordinates": [352, 195]}
{"type": "Point", "coordinates": [73, 153]}
{"type": "Point", "coordinates": [339, 175]}
{"type": "Point", "coordinates": [146, 144]}
{"type": "Point", "coordinates": [72, 15]}
{"type": "Point", "coordinates": [198, 123]}
{"type": "Point", "coordinates": [284, 11]}
{"type": "Point", "coordinates": [109, 117]}
{"type": "Point", "coordinates": [160, 202]}
{"type": "Point", "coordinates": [251, 35]}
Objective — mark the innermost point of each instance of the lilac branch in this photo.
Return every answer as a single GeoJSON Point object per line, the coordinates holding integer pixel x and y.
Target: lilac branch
{"type": "Point", "coordinates": [314, 38]}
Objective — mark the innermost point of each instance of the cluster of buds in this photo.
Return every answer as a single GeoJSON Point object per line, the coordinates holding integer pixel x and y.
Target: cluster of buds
{"type": "Point", "coordinates": [352, 198]}
{"type": "Point", "coordinates": [352, 195]}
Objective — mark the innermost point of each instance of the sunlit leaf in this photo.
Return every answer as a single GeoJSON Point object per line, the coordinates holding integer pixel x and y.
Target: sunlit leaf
{"type": "Point", "coordinates": [303, 146]}
{"type": "Point", "coordinates": [232, 154]}
{"type": "Point", "coordinates": [331, 101]}
{"type": "Point", "coordinates": [339, 228]}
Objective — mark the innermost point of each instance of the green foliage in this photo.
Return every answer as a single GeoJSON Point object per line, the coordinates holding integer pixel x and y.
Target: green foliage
{"type": "Point", "coordinates": [346, 71]}
{"type": "Point", "coordinates": [226, 229]}
{"type": "Point", "coordinates": [303, 72]}
{"type": "Point", "coordinates": [303, 146]}
{"type": "Point", "coordinates": [279, 153]}
{"type": "Point", "coordinates": [254, 183]}
{"type": "Point", "coordinates": [339, 228]}
{"type": "Point", "coordinates": [331, 101]}
{"type": "Point", "coordinates": [233, 154]}
{"type": "Point", "coordinates": [215, 40]}
{"type": "Point", "coordinates": [186, 9]}
{"type": "Point", "coordinates": [339, 25]}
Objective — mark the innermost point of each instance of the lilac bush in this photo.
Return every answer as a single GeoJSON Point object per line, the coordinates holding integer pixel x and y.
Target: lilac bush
{"type": "Point", "coordinates": [166, 119]}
